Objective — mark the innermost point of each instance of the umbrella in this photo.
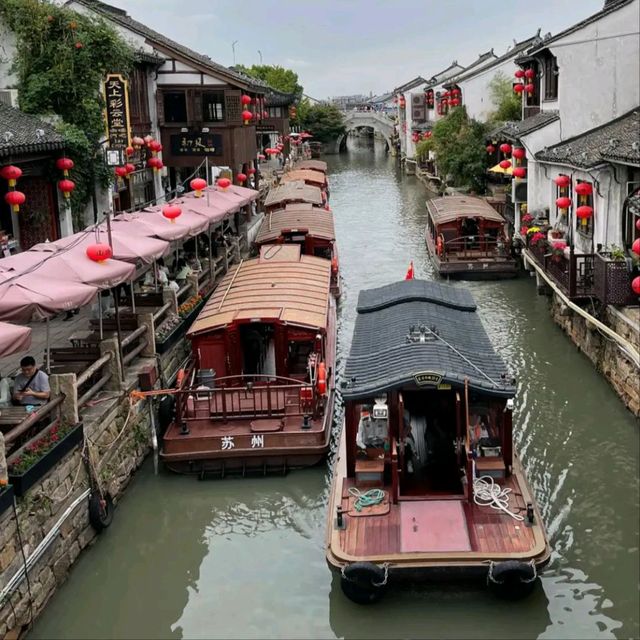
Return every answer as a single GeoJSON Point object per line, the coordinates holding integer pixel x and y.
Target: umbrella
{"type": "Point", "coordinates": [499, 169]}
{"type": "Point", "coordinates": [150, 226]}
{"type": "Point", "coordinates": [195, 222]}
{"type": "Point", "coordinates": [305, 135]}
{"type": "Point", "coordinates": [13, 339]}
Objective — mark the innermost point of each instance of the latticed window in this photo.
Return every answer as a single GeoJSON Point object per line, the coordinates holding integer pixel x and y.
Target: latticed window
{"type": "Point", "coordinates": [233, 107]}
{"type": "Point", "coordinates": [213, 106]}
{"type": "Point", "coordinates": [584, 223]}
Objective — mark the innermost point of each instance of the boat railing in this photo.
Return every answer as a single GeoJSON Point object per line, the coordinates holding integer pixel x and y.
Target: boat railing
{"type": "Point", "coordinates": [243, 397]}
{"type": "Point", "coordinates": [475, 246]}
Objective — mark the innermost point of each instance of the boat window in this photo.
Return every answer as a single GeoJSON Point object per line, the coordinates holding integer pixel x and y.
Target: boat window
{"type": "Point", "coordinates": [322, 252]}
{"type": "Point", "coordinates": [298, 357]}
{"type": "Point", "coordinates": [258, 349]}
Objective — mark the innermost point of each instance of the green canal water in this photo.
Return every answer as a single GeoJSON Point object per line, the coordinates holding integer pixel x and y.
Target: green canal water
{"type": "Point", "coordinates": [244, 558]}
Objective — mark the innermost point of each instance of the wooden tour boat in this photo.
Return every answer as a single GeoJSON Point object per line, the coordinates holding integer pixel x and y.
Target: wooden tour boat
{"type": "Point", "coordinates": [309, 227]}
{"type": "Point", "coordinates": [293, 192]}
{"type": "Point", "coordinates": [315, 165]}
{"type": "Point", "coordinates": [308, 176]}
{"type": "Point", "coordinates": [258, 394]}
{"type": "Point", "coordinates": [426, 482]}
{"type": "Point", "coordinates": [466, 237]}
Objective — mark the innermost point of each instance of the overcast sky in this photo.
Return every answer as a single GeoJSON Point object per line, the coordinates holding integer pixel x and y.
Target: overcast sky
{"type": "Point", "coordinates": [342, 47]}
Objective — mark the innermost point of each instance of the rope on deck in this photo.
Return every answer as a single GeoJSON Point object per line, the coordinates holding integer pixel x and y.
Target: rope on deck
{"type": "Point", "coordinates": [368, 498]}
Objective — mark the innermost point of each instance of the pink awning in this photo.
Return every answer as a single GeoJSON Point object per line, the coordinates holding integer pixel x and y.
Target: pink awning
{"type": "Point", "coordinates": [215, 212]}
{"type": "Point", "coordinates": [141, 224]}
{"type": "Point", "coordinates": [234, 197]}
{"type": "Point", "coordinates": [21, 262]}
{"type": "Point", "coordinates": [194, 222]}
{"type": "Point", "coordinates": [30, 296]}
{"type": "Point", "coordinates": [13, 339]}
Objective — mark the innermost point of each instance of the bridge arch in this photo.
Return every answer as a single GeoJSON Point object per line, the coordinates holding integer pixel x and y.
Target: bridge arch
{"type": "Point", "coordinates": [379, 122]}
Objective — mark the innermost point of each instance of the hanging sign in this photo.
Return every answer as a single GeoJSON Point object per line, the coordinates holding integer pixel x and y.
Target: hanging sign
{"type": "Point", "coordinates": [196, 144]}
{"type": "Point", "coordinates": [116, 96]}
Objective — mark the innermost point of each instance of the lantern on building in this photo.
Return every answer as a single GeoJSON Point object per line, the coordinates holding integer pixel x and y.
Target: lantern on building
{"type": "Point", "coordinates": [518, 153]}
{"type": "Point", "coordinates": [245, 99]}
{"type": "Point", "coordinates": [505, 164]}
{"type": "Point", "coordinates": [130, 169]}
{"type": "Point", "coordinates": [121, 172]}
{"type": "Point", "coordinates": [99, 252]}
{"type": "Point", "coordinates": [265, 114]}
{"type": "Point", "coordinates": [129, 151]}
{"type": "Point", "coordinates": [155, 146]}
{"type": "Point", "coordinates": [241, 178]}
{"type": "Point", "coordinates": [171, 212]}
{"type": "Point", "coordinates": [635, 247]}
{"type": "Point", "coordinates": [635, 285]}
{"type": "Point", "coordinates": [529, 74]}
{"type": "Point", "coordinates": [15, 199]}
{"type": "Point", "coordinates": [198, 185]}
{"type": "Point", "coordinates": [156, 163]}
{"type": "Point", "coordinates": [519, 73]}
{"type": "Point", "coordinates": [224, 183]}
{"type": "Point", "coordinates": [137, 142]}
{"type": "Point", "coordinates": [530, 88]}
{"type": "Point", "coordinates": [65, 165]}
{"type": "Point", "coordinates": [518, 87]}
{"type": "Point", "coordinates": [247, 116]}
{"type": "Point", "coordinates": [584, 213]}
{"type": "Point", "coordinates": [491, 148]}
{"type": "Point", "coordinates": [505, 147]}
{"type": "Point", "coordinates": [148, 140]}
{"type": "Point", "coordinates": [563, 203]}
{"type": "Point", "coordinates": [11, 173]}
{"type": "Point", "coordinates": [583, 189]}
{"type": "Point", "coordinates": [66, 186]}
{"type": "Point", "coordinates": [562, 181]}
{"type": "Point", "coordinates": [252, 171]}
{"type": "Point", "coordinates": [519, 172]}
{"type": "Point", "coordinates": [638, 224]}
{"type": "Point", "coordinates": [402, 102]}
{"type": "Point", "coordinates": [455, 102]}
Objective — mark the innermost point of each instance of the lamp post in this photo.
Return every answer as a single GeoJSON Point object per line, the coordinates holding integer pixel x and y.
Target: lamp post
{"type": "Point", "coordinates": [233, 49]}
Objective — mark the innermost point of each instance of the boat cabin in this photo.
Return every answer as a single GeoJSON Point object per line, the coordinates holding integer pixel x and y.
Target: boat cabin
{"type": "Point", "coordinates": [467, 237]}
{"type": "Point", "coordinates": [309, 227]}
{"type": "Point", "coordinates": [314, 165]}
{"type": "Point", "coordinates": [308, 176]}
{"type": "Point", "coordinates": [293, 193]}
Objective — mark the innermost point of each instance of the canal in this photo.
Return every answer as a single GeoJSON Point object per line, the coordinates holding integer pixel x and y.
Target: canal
{"type": "Point", "coordinates": [245, 558]}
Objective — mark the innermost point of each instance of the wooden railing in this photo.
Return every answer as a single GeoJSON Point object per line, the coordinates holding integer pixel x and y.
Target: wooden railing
{"type": "Point", "coordinates": [51, 408]}
{"type": "Point", "coordinates": [466, 247]}
{"type": "Point", "coordinates": [574, 275]}
{"type": "Point", "coordinates": [97, 366]}
{"type": "Point", "coordinates": [134, 344]}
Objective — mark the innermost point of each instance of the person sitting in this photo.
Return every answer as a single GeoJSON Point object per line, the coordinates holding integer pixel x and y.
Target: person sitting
{"type": "Point", "coordinates": [182, 271]}
{"type": "Point", "coordinates": [31, 386]}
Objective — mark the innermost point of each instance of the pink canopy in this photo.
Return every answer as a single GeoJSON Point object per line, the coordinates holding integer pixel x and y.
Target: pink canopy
{"type": "Point", "coordinates": [150, 226]}
{"type": "Point", "coordinates": [21, 262]}
{"type": "Point", "coordinates": [214, 212]}
{"type": "Point", "coordinates": [231, 198]}
{"type": "Point", "coordinates": [195, 222]}
{"type": "Point", "coordinates": [13, 339]}
{"type": "Point", "coordinates": [39, 296]}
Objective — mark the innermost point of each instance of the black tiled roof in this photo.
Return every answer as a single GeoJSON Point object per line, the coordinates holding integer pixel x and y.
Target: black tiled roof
{"type": "Point", "coordinates": [21, 133]}
{"type": "Point", "coordinates": [409, 85]}
{"type": "Point", "coordinates": [516, 129]}
{"type": "Point", "coordinates": [444, 74]}
{"type": "Point", "coordinates": [384, 357]}
{"type": "Point", "coordinates": [121, 17]}
{"type": "Point", "coordinates": [476, 66]}
{"type": "Point", "coordinates": [615, 141]}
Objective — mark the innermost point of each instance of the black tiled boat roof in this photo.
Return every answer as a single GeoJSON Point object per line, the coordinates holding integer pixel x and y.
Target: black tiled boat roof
{"type": "Point", "coordinates": [516, 129]}
{"type": "Point", "coordinates": [387, 351]}
{"type": "Point", "coordinates": [22, 133]}
{"type": "Point", "coordinates": [616, 141]}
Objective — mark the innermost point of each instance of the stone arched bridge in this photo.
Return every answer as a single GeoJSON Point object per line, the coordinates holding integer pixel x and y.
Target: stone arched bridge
{"type": "Point", "coordinates": [356, 119]}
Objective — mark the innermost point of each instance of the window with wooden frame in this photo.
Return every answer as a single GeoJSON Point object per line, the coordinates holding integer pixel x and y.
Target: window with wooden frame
{"type": "Point", "coordinates": [274, 112]}
{"type": "Point", "coordinates": [584, 225]}
{"type": "Point", "coordinates": [175, 106]}
{"type": "Point", "coordinates": [213, 106]}
{"type": "Point", "coordinates": [550, 70]}
{"type": "Point", "coordinates": [139, 99]}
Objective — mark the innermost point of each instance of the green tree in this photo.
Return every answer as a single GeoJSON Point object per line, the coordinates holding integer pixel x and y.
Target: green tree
{"type": "Point", "coordinates": [275, 76]}
{"type": "Point", "coordinates": [324, 121]}
{"type": "Point", "coordinates": [459, 146]}
{"type": "Point", "coordinates": [507, 103]}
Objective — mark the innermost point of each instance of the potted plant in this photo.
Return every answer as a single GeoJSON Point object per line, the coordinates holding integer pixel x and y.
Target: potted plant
{"type": "Point", "coordinates": [39, 454]}
{"type": "Point", "coordinates": [612, 275]}
{"type": "Point", "coordinates": [558, 250]}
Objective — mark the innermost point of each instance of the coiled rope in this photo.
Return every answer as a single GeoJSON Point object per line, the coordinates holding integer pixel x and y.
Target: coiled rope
{"type": "Point", "coordinates": [368, 498]}
{"type": "Point", "coordinates": [486, 493]}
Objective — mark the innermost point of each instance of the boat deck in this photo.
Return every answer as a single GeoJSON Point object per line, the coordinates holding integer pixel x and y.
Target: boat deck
{"type": "Point", "coordinates": [434, 526]}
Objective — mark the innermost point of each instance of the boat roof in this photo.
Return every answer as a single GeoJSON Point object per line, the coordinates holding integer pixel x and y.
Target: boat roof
{"type": "Point", "coordinates": [452, 208]}
{"type": "Point", "coordinates": [306, 175]}
{"type": "Point", "coordinates": [421, 332]}
{"type": "Point", "coordinates": [280, 285]}
{"type": "Point", "coordinates": [316, 165]}
{"type": "Point", "coordinates": [297, 218]}
{"type": "Point", "coordinates": [292, 191]}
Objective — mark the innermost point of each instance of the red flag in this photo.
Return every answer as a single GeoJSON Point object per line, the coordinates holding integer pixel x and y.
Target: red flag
{"type": "Point", "coordinates": [409, 275]}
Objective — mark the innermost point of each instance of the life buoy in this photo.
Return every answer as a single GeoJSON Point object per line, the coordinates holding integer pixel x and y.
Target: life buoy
{"type": "Point", "coordinates": [180, 378]}
{"type": "Point", "coordinates": [321, 380]}
{"type": "Point", "coordinates": [439, 246]}
{"type": "Point", "coordinates": [100, 510]}
{"type": "Point", "coordinates": [364, 582]}
{"type": "Point", "coordinates": [512, 579]}
{"type": "Point", "coordinates": [334, 265]}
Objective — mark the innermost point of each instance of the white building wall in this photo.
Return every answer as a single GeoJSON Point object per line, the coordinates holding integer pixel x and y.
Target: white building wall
{"type": "Point", "coordinates": [8, 80]}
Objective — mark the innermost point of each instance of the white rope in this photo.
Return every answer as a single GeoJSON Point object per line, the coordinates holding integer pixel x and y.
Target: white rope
{"type": "Point", "coordinates": [486, 493]}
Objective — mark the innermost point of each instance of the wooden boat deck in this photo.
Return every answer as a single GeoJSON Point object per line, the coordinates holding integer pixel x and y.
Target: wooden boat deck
{"type": "Point", "coordinates": [439, 529]}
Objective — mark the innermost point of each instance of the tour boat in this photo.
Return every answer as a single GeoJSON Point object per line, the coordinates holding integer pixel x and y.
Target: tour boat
{"type": "Point", "coordinates": [426, 482]}
{"type": "Point", "coordinates": [258, 394]}
{"type": "Point", "coordinates": [309, 227]}
{"type": "Point", "coordinates": [315, 165]}
{"type": "Point", "coordinates": [293, 192]}
{"type": "Point", "coordinates": [466, 237]}
{"type": "Point", "coordinates": [308, 176]}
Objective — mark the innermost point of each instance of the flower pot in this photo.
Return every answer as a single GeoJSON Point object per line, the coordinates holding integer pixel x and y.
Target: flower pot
{"type": "Point", "coordinates": [166, 344]}
{"type": "Point", "coordinates": [6, 498]}
{"type": "Point", "coordinates": [24, 481]}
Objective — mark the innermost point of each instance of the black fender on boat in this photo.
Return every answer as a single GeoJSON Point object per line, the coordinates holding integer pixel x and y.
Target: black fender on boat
{"type": "Point", "coordinates": [100, 511]}
{"type": "Point", "coordinates": [512, 579]}
{"type": "Point", "coordinates": [364, 582]}
{"type": "Point", "coordinates": [166, 414]}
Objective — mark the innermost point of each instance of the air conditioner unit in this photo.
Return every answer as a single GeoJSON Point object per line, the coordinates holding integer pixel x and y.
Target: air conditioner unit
{"type": "Point", "coordinates": [518, 191]}
{"type": "Point", "coordinates": [9, 97]}
{"type": "Point", "coordinates": [417, 99]}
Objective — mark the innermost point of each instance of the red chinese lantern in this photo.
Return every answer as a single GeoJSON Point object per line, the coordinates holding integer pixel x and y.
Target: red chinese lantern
{"type": "Point", "coordinates": [505, 164]}
{"type": "Point", "coordinates": [224, 183]}
{"type": "Point", "coordinates": [148, 140]}
{"type": "Point", "coordinates": [155, 146]}
{"type": "Point", "coordinates": [635, 247]}
{"type": "Point", "coordinates": [265, 114]}
{"type": "Point", "coordinates": [198, 185]}
{"type": "Point", "coordinates": [252, 171]}
{"type": "Point", "coordinates": [491, 148]}
{"type": "Point", "coordinates": [15, 199]}
{"type": "Point", "coordinates": [121, 172]}
{"type": "Point", "coordinates": [241, 178]}
{"type": "Point", "coordinates": [583, 189]}
{"type": "Point", "coordinates": [130, 168]}
{"type": "Point", "coordinates": [11, 173]}
{"type": "Point", "coordinates": [530, 88]}
{"type": "Point", "coordinates": [65, 165]}
{"type": "Point", "coordinates": [171, 212]}
{"type": "Point", "coordinates": [519, 172]}
{"type": "Point", "coordinates": [638, 224]}
{"type": "Point", "coordinates": [519, 73]}
{"type": "Point", "coordinates": [518, 87]}
{"type": "Point", "coordinates": [271, 152]}
{"type": "Point", "coordinates": [563, 202]}
{"type": "Point", "coordinates": [505, 147]}
{"type": "Point", "coordinates": [583, 213]}
{"type": "Point", "coordinates": [99, 252]}
{"type": "Point", "coordinates": [562, 181]}
{"type": "Point", "coordinates": [156, 163]}
{"type": "Point", "coordinates": [455, 92]}
{"type": "Point", "coordinates": [245, 99]}
{"type": "Point", "coordinates": [529, 74]}
{"type": "Point", "coordinates": [66, 186]}
{"type": "Point", "coordinates": [518, 153]}
{"type": "Point", "coordinates": [455, 102]}
{"type": "Point", "coordinates": [247, 116]}
{"type": "Point", "coordinates": [415, 137]}
{"type": "Point", "coordinates": [129, 151]}
{"type": "Point", "coordinates": [137, 142]}
{"type": "Point", "coordinates": [635, 285]}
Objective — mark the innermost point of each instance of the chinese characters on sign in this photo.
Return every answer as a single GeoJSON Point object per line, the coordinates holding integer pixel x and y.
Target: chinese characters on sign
{"type": "Point", "coordinates": [257, 442]}
{"type": "Point", "coordinates": [193, 144]}
{"type": "Point", "coordinates": [227, 442]}
{"type": "Point", "coordinates": [117, 111]}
